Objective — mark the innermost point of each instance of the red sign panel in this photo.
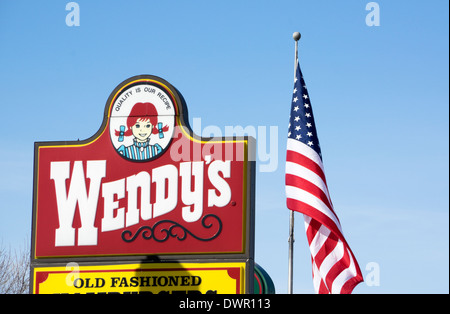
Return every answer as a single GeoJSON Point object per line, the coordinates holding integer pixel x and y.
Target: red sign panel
{"type": "Point", "coordinates": [143, 185]}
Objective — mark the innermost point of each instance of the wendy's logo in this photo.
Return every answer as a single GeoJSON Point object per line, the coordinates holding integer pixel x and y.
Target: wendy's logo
{"type": "Point", "coordinates": [142, 122]}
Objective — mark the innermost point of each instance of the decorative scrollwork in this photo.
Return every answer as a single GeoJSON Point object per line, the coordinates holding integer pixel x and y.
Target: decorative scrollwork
{"type": "Point", "coordinates": [174, 230]}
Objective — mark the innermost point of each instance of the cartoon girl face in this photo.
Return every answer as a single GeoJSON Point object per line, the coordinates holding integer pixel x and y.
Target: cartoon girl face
{"type": "Point", "coordinates": [142, 129]}
{"type": "Point", "coordinates": [142, 122]}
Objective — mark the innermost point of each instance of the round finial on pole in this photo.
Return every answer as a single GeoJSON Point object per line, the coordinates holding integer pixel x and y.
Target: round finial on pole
{"type": "Point", "coordinates": [296, 36]}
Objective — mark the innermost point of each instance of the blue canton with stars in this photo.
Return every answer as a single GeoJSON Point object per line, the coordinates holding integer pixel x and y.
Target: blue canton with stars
{"type": "Point", "coordinates": [301, 121]}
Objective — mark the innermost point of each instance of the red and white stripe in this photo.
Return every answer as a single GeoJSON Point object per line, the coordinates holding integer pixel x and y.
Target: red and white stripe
{"type": "Point", "coordinates": [335, 269]}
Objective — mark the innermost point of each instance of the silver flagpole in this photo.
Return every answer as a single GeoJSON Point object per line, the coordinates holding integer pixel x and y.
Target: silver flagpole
{"type": "Point", "coordinates": [291, 253]}
{"type": "Point", "coordinates": [291, 240]}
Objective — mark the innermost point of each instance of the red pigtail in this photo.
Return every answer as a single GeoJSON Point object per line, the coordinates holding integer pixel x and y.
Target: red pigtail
{"type": "Point", "coordinates": [126, 133]}
{"type": "Point", "coordinates": [156, 131]}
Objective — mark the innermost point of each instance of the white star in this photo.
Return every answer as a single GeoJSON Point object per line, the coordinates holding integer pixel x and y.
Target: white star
{"type": "Point", "coordinates": [309, 134]}
{"type": "Point", "coordinates": [298, 137]}
{"type": "Point", "coordinates": [295, 99]}
{"type": "Point", "coordinates": [310, 143]}
{"type": "Point", "coordinates": [308, 125]}
{"type": "Point", "coordinates": [295, 80]}
{"type": "Point", "coordinates": [295, 90]}
{"type": "Point", "coordinates": [308, 115]}
{"type": "Point", "coordinates": [297, 128]}
{"type": "Point", "coordinates": [296, 119]}
{"type": "Point", "coordinates": [305, 96]}
{"type": "Point", "coordinates": [296, 108]}
{"type": "Point", "coordinates": [289, 134]}
{"type": "Point", "coordinates": [306, 105]}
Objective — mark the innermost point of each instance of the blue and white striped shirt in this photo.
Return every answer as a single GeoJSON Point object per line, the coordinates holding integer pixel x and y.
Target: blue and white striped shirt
{"type": "Point", "coordinates": [140, 150]}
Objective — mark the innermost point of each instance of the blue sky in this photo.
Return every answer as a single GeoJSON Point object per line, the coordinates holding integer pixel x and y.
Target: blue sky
{"type": "Point", "coordinates": [380, 97]}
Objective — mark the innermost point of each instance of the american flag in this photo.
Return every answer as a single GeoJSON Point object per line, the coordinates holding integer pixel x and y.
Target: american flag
{"type": "Point", "coordinates": [335, 268]}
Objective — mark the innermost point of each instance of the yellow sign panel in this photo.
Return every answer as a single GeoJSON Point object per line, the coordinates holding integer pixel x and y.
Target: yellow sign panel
{"type": "Point", "coordinates": [157, 278]}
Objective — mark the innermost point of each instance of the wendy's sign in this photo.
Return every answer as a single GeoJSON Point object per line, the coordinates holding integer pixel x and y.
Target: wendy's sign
{"type": "Point", "coordinates": [144, 184]}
